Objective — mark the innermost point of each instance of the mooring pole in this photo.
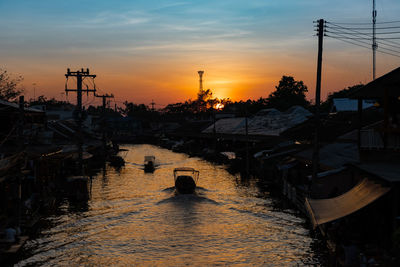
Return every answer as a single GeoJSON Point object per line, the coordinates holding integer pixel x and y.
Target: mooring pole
{"type": "Point", "coordinates": [315, 158]}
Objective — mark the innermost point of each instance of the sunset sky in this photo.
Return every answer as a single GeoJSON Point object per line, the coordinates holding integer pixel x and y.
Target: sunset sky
{"type": "Point", "coordinates": [144, 50]}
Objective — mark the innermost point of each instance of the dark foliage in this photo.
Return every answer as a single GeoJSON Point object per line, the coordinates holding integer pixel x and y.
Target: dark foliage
{"type": "Point", "coordinates": [288, 93]}
{"type": "Point", "coordinates": [9, 90]}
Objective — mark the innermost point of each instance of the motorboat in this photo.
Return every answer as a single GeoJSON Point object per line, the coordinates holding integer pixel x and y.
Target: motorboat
{"type": "Point", "coordinates": [149, 163]}
{"type": "Point", "coordinates": [185, 180]}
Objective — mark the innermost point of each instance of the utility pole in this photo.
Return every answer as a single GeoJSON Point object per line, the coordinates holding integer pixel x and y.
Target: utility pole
{"type": "Point", "coordinates": [80, 75]}
{"type": "Point", "coordinates": [104, 122]}
{"type": "Point", "coordinates": [152, 105]}
{"type": "Point", "coordinates": [21, 148]}
{"type": "Point", "coordinates": [34, 91]}
{"type": "Point", "coordinates": [315, 158]}
{"type": "Point", "coordinates": [247, 145]}
{"type": "Point", "coordinates": [374, 44]}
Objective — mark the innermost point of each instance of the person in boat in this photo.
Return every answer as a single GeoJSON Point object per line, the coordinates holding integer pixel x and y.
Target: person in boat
{"type": "Point", "coordinates": [150, 165]}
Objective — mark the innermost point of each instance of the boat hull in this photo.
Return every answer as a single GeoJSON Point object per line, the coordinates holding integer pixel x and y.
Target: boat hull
{"type": "Point", "coordinates": [149, 167]}
{"type": "Point", "coordinates": [185, 184]}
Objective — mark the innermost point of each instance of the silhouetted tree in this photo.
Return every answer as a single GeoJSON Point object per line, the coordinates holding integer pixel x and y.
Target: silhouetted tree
{"type": "Point", "coordinates": [248, 107]}
{"type": "Point", "coordinates": [9, 86]}
{"type": "Point", "coordinates": [134, 110]}
{"type": "Point", "coordinates": [288, 93]}
{"type": "Point", "coordinates": [49, 103]}
{"type": "Point", "coordinates": [203, 100]}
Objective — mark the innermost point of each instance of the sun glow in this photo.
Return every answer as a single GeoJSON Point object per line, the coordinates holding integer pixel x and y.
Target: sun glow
{"type": "Point", "coordinates": [219, 106]}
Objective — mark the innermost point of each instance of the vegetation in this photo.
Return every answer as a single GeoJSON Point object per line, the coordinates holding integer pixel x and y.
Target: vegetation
{"type": "Point", "coordinates": [9, 90]}
{"type": "Point", "coordinates": [134, 110]}
{"type": "Point", "coordinates": [288, 93]}
{"type": "Point", "coordinates": [42, 100]}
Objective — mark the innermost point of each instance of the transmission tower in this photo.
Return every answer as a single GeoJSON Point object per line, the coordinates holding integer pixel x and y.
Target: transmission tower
{"type": "Point", "coordinates": [201, 72]}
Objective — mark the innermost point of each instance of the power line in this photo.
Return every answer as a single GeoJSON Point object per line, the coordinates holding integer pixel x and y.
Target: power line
{"type": "Point", "coordinates": [387, 42]}
{"type": "Point", "coordinates": [357, 44]}
{"type": "Point", "coordinates": [336, 31]}
{"type": "Point", "coordinates": [358, 40]}
{"type": "Point", "coordinates": [366, 23]}
{"type": "Point", "coordinates": [368, 29]}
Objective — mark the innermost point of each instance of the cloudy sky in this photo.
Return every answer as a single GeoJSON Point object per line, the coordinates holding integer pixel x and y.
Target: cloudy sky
{"type": "Point", "coordinates": [144, 50]}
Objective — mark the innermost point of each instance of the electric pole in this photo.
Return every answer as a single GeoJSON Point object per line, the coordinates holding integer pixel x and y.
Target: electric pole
{"type": "Point", "coordinates": [152, 105]}
{"type": "Point", "coordinates": [374, 44]}
{"type": "Point", "coordinates": [104, 121]}
{"type": "Point", "coordinates": [80, 75]}
{"type": "Point", "coordinates": [21, 141]}
{"type": "Point", "coordinates": [315, 158]}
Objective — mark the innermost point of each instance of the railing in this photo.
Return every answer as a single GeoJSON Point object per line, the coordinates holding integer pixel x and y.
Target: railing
{"type": "Point", "coordinates": [374, 139]}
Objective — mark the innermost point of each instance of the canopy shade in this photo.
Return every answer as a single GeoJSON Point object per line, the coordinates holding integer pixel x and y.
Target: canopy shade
{"type": "Point", "coordinates": [325, 210]}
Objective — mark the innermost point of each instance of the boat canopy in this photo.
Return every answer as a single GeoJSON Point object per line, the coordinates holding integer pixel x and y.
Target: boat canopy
{"type": "Point", "coordinates": [325, 210]}
{"type": "Point", "coordinates": [149, 158]}
{"type": "Point", "coordinates": [186, 171]}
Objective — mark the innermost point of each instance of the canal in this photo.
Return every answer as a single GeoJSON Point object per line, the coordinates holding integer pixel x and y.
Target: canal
{"type": "Point", "coordinates": [135, 218]}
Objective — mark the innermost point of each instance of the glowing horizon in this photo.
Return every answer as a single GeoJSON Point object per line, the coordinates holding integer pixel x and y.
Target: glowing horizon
{"type": "Point", "coordinates": [152, 50]}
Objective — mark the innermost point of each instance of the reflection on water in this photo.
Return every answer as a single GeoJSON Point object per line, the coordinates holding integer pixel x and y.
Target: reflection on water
{"type": "Point", "coordinates": [137, 218]}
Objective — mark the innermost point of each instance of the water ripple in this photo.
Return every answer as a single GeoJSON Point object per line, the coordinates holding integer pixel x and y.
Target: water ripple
{"type": "Point", "coordinates": [133, 218]}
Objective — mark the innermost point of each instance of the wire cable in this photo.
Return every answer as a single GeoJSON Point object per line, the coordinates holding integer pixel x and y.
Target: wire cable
{"type": "Point", "coordinates": [347, 38]}
{"type": "Point", "coordinates": [363, 28]}
{"type": "Point", "coordinates": [358, 40]}
{"type": "Point", "coordinates": [366, 23]}
{"type": "Point", "coordinates": [357, 44]}
{"type": "Point", "coordinates": [384, 42]}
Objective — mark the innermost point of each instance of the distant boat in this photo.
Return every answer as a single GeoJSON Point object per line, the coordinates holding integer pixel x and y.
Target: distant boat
{"type": "Point", "coordinates": [149, 163]}
{"type": "Point", "coordinates": [185, 180]}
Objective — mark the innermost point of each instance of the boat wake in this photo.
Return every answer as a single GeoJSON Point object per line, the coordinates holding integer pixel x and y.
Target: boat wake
{"type": "Point", "coordinates": [187, 198]}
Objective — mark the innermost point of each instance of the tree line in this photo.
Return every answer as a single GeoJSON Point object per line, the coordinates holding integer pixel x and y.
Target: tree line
{"type": "Point", "coordinates": [287, 93]}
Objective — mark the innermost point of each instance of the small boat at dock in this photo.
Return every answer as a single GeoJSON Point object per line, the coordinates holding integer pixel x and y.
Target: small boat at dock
{"type": "Point", "coordinates": [185, 180]}
{"type": "Point", "coordinates": [149, 163]}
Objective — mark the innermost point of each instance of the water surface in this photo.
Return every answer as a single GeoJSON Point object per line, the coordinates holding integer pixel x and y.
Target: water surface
{"type": "Point", "coordinates": [136, 218]}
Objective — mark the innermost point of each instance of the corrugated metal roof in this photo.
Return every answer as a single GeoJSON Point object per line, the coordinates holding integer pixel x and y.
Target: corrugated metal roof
{"type": "Point", "coordinates": [334, 155]}
{"type": "Point", "coordinates": [388, 171]}
{"type": "Point", "coordinates": [347, 104]}
{"type": "Point", "coordinates": [270, 122]}
{"type": "Point", "coordinates": [16, 106]}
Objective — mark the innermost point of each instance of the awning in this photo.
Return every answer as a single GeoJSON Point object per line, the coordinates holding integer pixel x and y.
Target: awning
{"type": "Point", "coordinates": [325, 210]}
